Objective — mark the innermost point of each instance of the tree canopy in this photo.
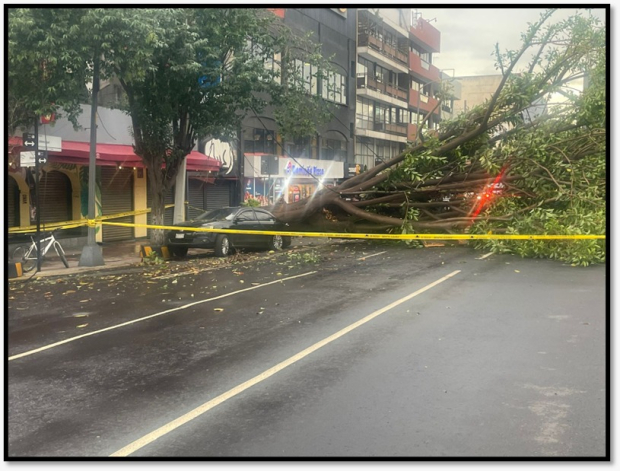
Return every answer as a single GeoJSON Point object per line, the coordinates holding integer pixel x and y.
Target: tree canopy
{"type": "Point", "coordinates": [187, 73]}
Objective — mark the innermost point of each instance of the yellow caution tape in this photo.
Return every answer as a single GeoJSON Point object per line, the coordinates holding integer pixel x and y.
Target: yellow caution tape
{"type": "Point", "coordinates": [80, 222]}
{"type": "Point", "coordinates": [334, 235]}
{"type": "Point", "coordinates": [338, 235]}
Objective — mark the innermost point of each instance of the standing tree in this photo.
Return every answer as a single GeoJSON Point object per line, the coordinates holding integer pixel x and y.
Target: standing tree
{"type": "Point", "coordinates": [549, 171]}
{"type": "Point", "coordinates": [210, 66]}
{"type": "Point", "coordinates": [187, 73]}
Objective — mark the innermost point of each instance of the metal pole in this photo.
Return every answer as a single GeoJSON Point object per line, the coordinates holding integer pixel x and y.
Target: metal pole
{"type": "Point", "coordinates": [36, 191]}
{"type": "Point", "coordinates": [241, 161]}
{"type": "Point", "coordinates": [91, 253]}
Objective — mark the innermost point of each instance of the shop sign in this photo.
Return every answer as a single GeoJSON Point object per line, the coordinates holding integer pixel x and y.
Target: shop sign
{"type": "Point", "coordinates": [222, 151]}
{"type": "Point", "coordinates": [50, 143]}
{"type": "Point", "coordinates": [301, 171]}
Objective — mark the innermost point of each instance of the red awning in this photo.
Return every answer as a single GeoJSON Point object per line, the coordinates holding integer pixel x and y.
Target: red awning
{"type": "Point", "coordinates": [117, 154]}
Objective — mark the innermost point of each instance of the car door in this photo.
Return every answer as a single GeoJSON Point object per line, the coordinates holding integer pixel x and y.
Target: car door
{"type": "Point", "coordinates": [245, 220]}
{"type": "Point", "coordinates": [266, 222]}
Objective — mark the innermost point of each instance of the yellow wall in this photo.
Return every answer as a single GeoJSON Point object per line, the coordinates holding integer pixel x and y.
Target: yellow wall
{"type": "Point", "coordinates": [24, 199]}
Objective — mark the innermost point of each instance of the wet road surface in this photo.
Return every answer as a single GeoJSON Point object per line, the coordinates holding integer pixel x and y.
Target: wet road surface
{"type": "Point", "coordinates": [499, 357]}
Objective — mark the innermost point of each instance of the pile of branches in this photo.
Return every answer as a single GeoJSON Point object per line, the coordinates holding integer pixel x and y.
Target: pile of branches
{"type": "Point", "coordinates": [494, 167]}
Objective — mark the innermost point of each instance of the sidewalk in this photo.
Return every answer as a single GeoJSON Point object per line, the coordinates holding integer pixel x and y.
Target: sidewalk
{"type": "Point", "coordinates": [123, 254]}
{"type": "Point", "coordinates": [115, 254]}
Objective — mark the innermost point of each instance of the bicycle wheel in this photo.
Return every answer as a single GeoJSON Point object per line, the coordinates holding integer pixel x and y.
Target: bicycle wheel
{"type": "Point", "coordinates": [61, 253]}
{"type": "Point", "coordinates": [27, 256]}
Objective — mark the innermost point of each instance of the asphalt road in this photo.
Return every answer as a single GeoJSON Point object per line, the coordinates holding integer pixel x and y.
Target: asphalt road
{"type": "Point", "coordinates": [438, 353]}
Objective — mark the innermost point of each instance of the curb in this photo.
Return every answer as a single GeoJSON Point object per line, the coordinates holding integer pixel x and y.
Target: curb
{"type": "Point", "coordinates": [15, 270]}
{"type": "Point", "coordinates": [161, 250]}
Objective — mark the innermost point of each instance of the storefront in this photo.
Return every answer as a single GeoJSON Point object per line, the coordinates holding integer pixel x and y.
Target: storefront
{"type": "Point", "coordinates": [121, 187]}
{"type": "Point", "coordinates": [207, 193]}
{"type": "Point", "coordinates": [269, 177]}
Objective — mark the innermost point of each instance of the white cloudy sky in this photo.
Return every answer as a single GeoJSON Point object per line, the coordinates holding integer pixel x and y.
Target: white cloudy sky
{"type": "Point", "coordinates": [469, 35]}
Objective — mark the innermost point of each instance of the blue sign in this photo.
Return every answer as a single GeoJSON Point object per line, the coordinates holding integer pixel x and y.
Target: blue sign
{"type": "Point", "coordinates": [205, 81]}
{"type": "Point", "coordinates": [292, 169]}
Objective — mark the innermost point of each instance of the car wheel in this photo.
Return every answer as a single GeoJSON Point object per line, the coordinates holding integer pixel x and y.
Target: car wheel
{"type": "Point", "coordinates": [276, 243]}
{"type": "Point", "coordinates": [178, 251]}
{"type": "Point", "coordinates": [286, 242]}
{"type": "Point", "coordinates": [222, 245]}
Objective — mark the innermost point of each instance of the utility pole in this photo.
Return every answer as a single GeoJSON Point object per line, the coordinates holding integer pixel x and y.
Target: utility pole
{"type": "Point", "coordinates": [241, 166]}
{"type": "Point", "coordinates": [92, 255]}
{"type": "Point", "coordinates": [36, 190]}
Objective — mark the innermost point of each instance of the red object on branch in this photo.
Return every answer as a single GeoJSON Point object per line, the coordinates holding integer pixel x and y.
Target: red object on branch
{"type": "Point", "coordinates": [48, 118]}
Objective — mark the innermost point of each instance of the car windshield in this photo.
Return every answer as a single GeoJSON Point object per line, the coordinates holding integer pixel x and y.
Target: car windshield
{"type": "Point", "coordinates": [224, 214]}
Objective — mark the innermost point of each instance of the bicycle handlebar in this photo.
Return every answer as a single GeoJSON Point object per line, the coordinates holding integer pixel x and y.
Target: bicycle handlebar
{"type": "Point", "coordinates": [45, 234]}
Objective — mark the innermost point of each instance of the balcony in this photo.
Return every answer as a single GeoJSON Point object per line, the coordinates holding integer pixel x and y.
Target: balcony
{"type": "Point", "coordinates": [389, 128]}
{"type": "Point", "coordinates": [387, 50]}
{"type": "Point", "coordinates": [376, 90]}
{"type": "Point", "coordinates": [385, 131]}
{"type": "Point", "coordinates": [423, 69]}
{"type": "Point", "coordinates": [395, 92]}
{"type": "Point", "coordinates": [426, 35]}
{"type": "Point", "coordinates": [424, 103]}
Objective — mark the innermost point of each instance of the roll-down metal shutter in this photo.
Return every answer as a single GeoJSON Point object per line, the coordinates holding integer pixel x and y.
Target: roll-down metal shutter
{"type": "Point", "coordinates": [168, 213]}
{"type": "Point", "coordinates": [218, 196]}
{"type": "Point", "coordinates": [117, 197]}
{"type": "Point", "coordinates": [12, 202]}
{"type": "Point", "coordinates": [54, 197]}
{"type": "Point", "coordinates": [196, 198]}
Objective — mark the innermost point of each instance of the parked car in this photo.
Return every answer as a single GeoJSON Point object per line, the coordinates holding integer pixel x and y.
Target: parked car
{"type": "Point", "coordinates": [239, 218]}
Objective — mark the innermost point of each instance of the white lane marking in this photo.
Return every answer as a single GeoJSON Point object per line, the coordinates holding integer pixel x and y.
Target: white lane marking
{"type": "Point", "coordinates": [88, 334]}
{"type": "Point", "coordinates": [485, 256]}
{"type": "Point", "coordinates": [373, 255]}
{"type": "Point", "coordinates": [198, 411]}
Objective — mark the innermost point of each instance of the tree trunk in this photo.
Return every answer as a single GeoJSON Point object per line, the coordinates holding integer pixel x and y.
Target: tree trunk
{"type": "Point", "coordinates": [156, 190]}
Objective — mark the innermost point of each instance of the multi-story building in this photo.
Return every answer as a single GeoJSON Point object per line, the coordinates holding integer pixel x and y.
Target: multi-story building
{"type": "Point", "coordinates": [294, 169]}
{"type": "Point", "coordinates": [397, 84]}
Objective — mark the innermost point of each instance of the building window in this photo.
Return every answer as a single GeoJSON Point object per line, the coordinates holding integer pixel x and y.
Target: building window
{"type": "Point", "coordinates": [299, 148]}
{"type": "Point", "coordinates": [333, 149]}
{"type": "Point", "coordinates": [334, 88]}
{"type": "Point", "coordinates": [364, 151]}
{"type": "Point", "coordinates": [305, 75]}
{"type": "Point", "coordinates": [259, 141]}
{"type": "Point", "coordinates": [272, 62]}
{"type": "Point", "coordinates": [364, 114]}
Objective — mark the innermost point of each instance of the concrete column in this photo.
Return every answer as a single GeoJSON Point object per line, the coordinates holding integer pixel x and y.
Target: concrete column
{"type": "Point", "coordinates": [179, 193]}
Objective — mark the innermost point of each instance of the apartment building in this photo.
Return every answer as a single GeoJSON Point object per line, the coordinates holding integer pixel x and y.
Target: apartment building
{"type": "Point", "coordinates": [295, 169]}
{"type": "Point", "coordinates": [396, 82]}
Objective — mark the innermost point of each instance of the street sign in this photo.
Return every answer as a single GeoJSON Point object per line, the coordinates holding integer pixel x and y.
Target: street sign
{"type": "Point", "coordinates": [26, 158]}
{"type": "Point", "coordinates": [50, 143]}
{"type": "Point", "coordinates": [28, 139]}
{"type": "Point", "coordinates": [42, 156]}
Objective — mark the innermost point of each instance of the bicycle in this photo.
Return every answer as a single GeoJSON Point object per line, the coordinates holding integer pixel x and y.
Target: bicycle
{"type": "Point", "coordinates": [27, 254]}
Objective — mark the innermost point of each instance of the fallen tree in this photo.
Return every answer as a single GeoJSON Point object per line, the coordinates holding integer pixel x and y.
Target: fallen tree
{"type": "Point", "coordinates": [496, 168]}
